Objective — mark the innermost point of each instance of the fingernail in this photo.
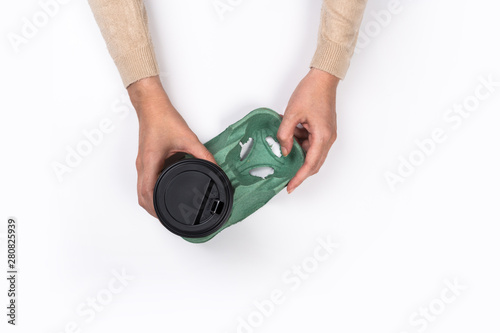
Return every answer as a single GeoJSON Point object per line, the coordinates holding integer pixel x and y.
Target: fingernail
{"type": "Point", "coordinates": [284, 151]}
{"type": "Point", "coordinates": [290, 190]}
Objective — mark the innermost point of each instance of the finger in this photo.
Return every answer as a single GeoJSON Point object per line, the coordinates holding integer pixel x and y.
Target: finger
{"type": "Point", "coordinates": [306, 144]}
{"type": "Point", "coordinates": [311, 165]}
{"type": "Point", "coordinates": [200, 151]}
{"type": "Point", "coordinates": [285, 133]}
{"type": "Point", "coordinates": [148, 175]}
{"type": "Point", "coordinates": [300, 133]}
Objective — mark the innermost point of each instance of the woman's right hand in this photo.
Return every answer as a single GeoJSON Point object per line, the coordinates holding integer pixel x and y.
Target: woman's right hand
{"type": "Point", "coordinates": [162, 133]}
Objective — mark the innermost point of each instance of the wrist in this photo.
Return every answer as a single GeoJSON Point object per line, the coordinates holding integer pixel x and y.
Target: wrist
{"type": "Point", "coordinates": [326, 79]}
{"type": "Point", "coordinates": [148, 97]}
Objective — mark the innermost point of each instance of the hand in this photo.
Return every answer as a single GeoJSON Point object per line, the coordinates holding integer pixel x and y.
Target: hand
{"type": "Point", "coordinates": [162, 132]}
{"type": "Point", "coordinates": [313, 105]}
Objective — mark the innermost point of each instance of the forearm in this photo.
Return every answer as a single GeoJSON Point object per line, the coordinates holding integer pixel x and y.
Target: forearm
{"type": "Point", "coordinates": [338, 33]}
{"type": "Point", "coordinates": [124, 26]}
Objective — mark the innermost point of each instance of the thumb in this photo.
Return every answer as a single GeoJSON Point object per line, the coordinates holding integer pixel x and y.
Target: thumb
{"type": "Point", "coordinates": [200, 151]}
{"type": "Point", "coordinates": [285, 133]}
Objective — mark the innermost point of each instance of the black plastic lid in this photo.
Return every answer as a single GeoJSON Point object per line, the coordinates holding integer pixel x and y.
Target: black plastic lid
{"type": "Point", "coordinates": [193, 198]}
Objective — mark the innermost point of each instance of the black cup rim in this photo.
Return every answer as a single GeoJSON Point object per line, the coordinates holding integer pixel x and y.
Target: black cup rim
{"type": "Point", "coordinates": [220, 179]}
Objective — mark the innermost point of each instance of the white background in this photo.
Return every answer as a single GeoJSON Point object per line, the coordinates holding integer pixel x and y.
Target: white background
{"type": "Point", "coordinates": [396, 248]}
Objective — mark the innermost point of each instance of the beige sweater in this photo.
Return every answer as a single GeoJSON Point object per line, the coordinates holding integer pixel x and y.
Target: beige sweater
{"type": "Point", "coordinates": [124, 25]}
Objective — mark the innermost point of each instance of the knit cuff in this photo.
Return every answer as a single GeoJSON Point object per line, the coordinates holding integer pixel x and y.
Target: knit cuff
{"type": "Point", "coordinates": [137, 64]}
{"type": "Point", "coordinates": [331, 58]}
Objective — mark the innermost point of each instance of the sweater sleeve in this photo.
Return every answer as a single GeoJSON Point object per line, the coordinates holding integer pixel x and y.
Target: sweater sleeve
{"type": "Point", "coordinates": [124, 26]}
{"type": "Point", "coordinates": [338, 33]}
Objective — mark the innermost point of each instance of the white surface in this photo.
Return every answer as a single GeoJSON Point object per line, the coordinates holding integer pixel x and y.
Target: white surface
{"type": "Point", "coordinates": [395, 248]}
{"type": "Point", "coordinates": [275, 146]}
